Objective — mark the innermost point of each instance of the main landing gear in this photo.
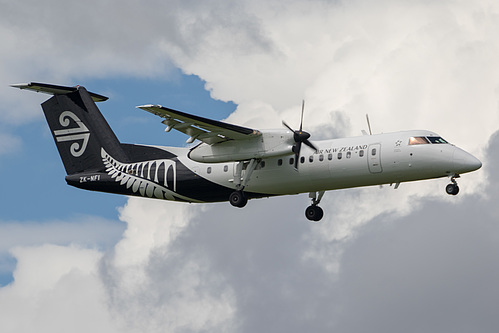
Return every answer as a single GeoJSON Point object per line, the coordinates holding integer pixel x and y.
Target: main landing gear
{"type": "Point", "coordinates": [314, 212]}
{"type": "Point", "coordinates": [238, 198]}
{"type": "Point", "coordinates": [452, 189]}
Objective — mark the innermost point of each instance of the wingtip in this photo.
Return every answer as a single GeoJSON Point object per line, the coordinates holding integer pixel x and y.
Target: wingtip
{"type": "Point", "coordinates": [148, 106]}
{"type": "Point", "coordinates": [19, 85]}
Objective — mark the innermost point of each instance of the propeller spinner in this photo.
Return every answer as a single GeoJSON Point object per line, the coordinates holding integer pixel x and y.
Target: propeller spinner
{"type": "Point", "coordinates": [300, 137]}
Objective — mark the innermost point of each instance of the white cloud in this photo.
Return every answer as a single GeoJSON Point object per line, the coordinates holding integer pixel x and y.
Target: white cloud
{"type": "Point", "coordinates": [154, 287]}
{"type": "Point", "coordinates": [88, 231]}
{"type": "Point", "coordinates": [415, 65]}
{"type": "Point", "coordinates": [410, 66]}
{"type": "Point", "coordinates": [143, 284]}
{"type": "Point", "coordinates": [83, 231]}
{"type": "Point", "coordinates": [56, 288]}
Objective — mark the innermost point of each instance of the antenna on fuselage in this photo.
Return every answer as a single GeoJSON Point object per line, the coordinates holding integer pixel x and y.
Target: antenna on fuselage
{"type": "Point", "coordinates": [369, 124]}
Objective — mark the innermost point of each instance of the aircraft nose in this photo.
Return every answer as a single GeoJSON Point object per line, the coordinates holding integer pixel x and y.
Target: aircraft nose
{"type": "Point", "coordinates": [465, 162]}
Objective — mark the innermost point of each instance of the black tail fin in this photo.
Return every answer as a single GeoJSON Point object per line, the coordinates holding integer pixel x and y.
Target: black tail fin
{"type": "Point", "coordinates": [80, 131]}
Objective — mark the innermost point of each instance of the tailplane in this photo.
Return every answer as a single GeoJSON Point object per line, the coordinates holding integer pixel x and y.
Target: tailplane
{"type": "Point", "coordinates": [79, 129]}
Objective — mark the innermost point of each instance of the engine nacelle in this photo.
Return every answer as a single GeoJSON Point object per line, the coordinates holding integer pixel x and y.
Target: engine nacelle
{"type": "Point", "coordinates": [268, 144]}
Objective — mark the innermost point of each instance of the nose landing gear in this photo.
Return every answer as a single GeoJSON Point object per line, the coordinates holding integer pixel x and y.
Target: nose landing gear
{"type": "Point", "coordinates": [452, 189]}
{"type": "Point", "coordinates": [314, 212]}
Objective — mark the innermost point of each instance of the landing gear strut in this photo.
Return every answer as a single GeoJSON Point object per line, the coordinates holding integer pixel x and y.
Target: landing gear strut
{"type": "Point", "coordinates": [452, 189]}
{"type": "Point", "coordinates": [314, 212]}
{"type": "Point", "coordinates": [238, 198]}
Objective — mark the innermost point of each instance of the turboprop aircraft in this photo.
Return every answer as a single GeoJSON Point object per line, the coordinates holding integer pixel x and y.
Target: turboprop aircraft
{"type": "Point", "coordinates": [234, 163]}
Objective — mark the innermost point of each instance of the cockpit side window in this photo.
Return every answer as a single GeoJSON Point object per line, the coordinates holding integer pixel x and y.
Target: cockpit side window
{"type": "Point", "coordinates": [436, 139]}
{"type": "Point", "coordinates": [418, 140]}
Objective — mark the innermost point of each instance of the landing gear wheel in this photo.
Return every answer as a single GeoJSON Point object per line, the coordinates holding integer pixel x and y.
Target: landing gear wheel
{"type": "Point", "coordinates": [452, 189]}
{"type": "Point", "coordinates": [238, 199]}
{"type": "Point", "coordinates": [314, 213]}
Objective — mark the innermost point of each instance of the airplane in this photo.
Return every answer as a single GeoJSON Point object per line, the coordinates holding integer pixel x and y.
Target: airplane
{"type": "Point", "coordinates": [234, 163]}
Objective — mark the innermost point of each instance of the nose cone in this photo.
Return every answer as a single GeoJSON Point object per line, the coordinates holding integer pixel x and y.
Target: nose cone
{"type": "Point", "coordinates": [465, 162]}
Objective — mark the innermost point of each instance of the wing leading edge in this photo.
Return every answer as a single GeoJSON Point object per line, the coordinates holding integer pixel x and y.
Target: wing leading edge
{"type": "Point", "coordinates": [198, 128]}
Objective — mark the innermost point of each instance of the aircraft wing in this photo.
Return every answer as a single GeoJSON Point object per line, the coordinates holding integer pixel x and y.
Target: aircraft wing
{"type": "Point", "coordinates": [199, 128]}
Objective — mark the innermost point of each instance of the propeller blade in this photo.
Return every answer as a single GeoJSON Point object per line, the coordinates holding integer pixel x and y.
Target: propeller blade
{"type": "Point", "coordinates": [284, 123]}
{"type": "Point", "coordinates": [297, 149]}
{"type": "Point", "coordinates": [302, 109]}
{"type": "Point", "coordinates": [310, 144]}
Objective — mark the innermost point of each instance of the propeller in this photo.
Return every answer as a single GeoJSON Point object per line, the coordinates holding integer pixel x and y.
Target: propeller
{"type": "Point", "coordinates": [300, 137]}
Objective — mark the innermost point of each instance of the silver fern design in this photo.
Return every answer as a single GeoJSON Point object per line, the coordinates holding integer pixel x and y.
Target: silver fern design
{"type": "Point", "coordinates": [156, 178]}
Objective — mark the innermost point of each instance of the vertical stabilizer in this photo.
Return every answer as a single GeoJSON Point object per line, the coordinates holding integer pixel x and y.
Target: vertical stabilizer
{"type": "Point", "coordinates": [80, 131]}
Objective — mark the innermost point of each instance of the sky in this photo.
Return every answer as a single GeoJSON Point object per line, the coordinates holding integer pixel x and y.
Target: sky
{"type": "Point", "coordinates": [412, 259]}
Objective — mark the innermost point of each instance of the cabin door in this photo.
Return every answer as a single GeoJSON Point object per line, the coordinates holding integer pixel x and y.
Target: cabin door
{"type": "Point", "coordinates": [374, 158]}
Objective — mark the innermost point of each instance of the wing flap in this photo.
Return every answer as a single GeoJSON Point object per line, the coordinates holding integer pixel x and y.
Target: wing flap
{"type": "Point", "coordinates": [207, 130]}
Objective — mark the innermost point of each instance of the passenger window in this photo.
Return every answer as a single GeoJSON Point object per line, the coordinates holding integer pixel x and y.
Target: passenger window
{"type": "Point", "coordinates": [262, 164]}
{"type": "Point", "coordinates": [361, 153]}
{"type": "Point", "coordinates": [373, 152]}
{"type": "Point", "coordinates": [311, 158]}
{"type": "Point", "coordinates": [226, 168]}
{"type": "Point", "coordinates": [330, 157]}
{"type": "Point", "coordinates": [321, 157]}
{"type": "Point", "coordinates": [340, 155]}
{"type": "Point", "coordinates": [279, 162]}
{"type": "Point", "coordinates": [349, 154]}
{"type": "Point", "coordinates": [302, 159]}
{"type": "Point", "coordinates": [291, 161]}
{"type": "Point", "coordinates": [208, 170]}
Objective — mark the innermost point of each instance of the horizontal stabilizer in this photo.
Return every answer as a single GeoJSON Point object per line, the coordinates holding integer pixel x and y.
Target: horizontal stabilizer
{"type": "Point", "coordinates": [56, 90]}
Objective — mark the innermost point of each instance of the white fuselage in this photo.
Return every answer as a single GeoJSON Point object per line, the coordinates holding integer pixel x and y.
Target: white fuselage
{"type": "Point", "coordinates": [344, 163]}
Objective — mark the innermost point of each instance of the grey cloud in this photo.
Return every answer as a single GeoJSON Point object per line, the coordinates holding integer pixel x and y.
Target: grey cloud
{"type": "Point", "coordinates": [337, 125]}
{"type": "Point", "coordinates": [435, 270]}
{"type": "Point", "coordinates": [257, 253]}
{"type": "Point", "coordinates": [490, 166]}
{"type": "Point", "coordinates": [93, 33]}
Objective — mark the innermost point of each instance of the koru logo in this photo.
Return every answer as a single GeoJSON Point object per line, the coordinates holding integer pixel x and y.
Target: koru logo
{"type": "Point", "coordinates": [73, 134]}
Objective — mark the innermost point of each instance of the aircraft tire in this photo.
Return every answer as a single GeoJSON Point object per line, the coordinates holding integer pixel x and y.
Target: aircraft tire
{"type": "Point", "coordinates": [452, 189]}
{"type": "Point", "coordinates": [238, 199]}
{"type": "Point", "coordinates": [314, 213]}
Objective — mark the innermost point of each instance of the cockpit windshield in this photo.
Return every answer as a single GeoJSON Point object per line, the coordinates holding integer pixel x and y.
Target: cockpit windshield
{"type": "Point", "coordinates": [436, 139]}
{"type": "Point", "coordinates": [418, 140]}
{"type": "Point", "coordinates": [423, 140]}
